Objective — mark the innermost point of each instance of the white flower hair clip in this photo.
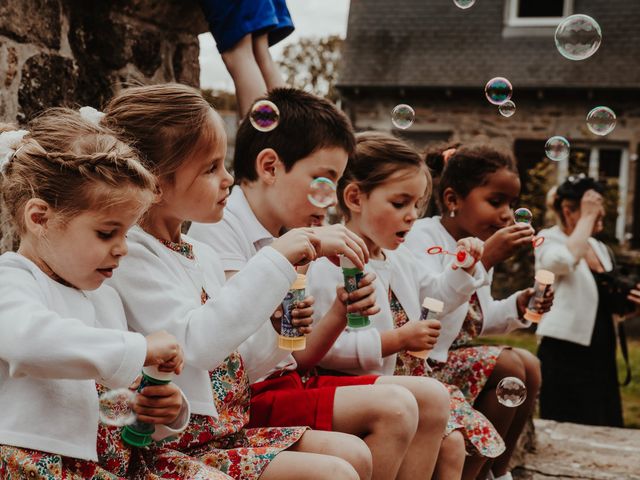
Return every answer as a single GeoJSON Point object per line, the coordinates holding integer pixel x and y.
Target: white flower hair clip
{"type": "Point", "coordinates": [91, 115]}
{"type": "Point", "coordinates": [8, 143]}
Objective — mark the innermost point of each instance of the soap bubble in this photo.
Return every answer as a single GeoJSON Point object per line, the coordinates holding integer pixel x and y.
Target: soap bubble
{"type": "Point", "coordinates": [511, 392]}
{"type": "Point", "coordinates": [116, 407]}
{"type": "Point", "coordinates": [264, 116]}
{"type": "Point", "coordinates": [403, 116]}
{"type": "Point", "coordinates": [601, 120]}
{"type": "Point", "coordinates": [578, 37]}
{"type": "Point", "coordinates": [322, 192]}
{"type": "Point", "coordinates": [507, 109]}
{"type": "Point", "coordinates": [523, 215]}
{"type": "Point", "coordinates": [557, 148]}
{"type": "Point", "coordinates": [464, 3]}
{"type": "Point", "coordinates": [498, 90]}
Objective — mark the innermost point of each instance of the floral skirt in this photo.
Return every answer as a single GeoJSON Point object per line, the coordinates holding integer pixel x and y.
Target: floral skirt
{"type": "Point", "coordinates": [224, 443]}
{"type": "Point", "coordinates": [468, 368]}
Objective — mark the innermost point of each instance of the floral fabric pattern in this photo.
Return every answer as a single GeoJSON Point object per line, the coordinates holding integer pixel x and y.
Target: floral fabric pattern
{"type": "Point", "coordinates": [480, 436]}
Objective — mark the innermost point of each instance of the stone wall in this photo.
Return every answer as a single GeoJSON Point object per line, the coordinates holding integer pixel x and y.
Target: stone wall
{"type": "Point", "coordinates": [74, 52]}
{"type": "Point", "coordinates": [78, 52]}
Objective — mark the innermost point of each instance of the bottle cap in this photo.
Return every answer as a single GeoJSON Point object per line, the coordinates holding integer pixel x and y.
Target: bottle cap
{"type": "Point", "coordinates": [346, 263]}
{"type": "Point", "coordinates": [135, 439]}
{"type": "Point", "coordinates": [300, 282]}
{"type": "Point", "coordinates": [545, 277]}
{"type": "Point", "coordinates": [433, 305]}
{"type": "Point", "coordinates": [153, 372]}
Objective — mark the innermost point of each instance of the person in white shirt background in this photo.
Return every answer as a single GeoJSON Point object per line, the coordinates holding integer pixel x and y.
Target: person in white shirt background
{"type": "Point", "coordinates": [384, 187]}
{"type": "Point", "coordinates": [477, 188]}
{"type": "Point", "coordinates": [72, 190]}
{"type": "Point", "coordinates": [578, 345]}
{"type": "Point", "coordinates": [174, 282]}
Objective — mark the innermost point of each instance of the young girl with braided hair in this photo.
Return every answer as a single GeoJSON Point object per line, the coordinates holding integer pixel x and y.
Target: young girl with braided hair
{"type": "Point", "coordinates": [72, 190]}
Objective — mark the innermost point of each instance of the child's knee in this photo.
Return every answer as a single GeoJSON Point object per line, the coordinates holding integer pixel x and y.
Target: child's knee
{"type": "Point", "coordinates": [510, 364]}
{"type": "Point", "coordinates": [359, 456]}
{"type": "Point", "coordinates": [453, 447]}
{"type": "Point", "coordinates": [339, 468]}
{"type": "Point", "coordinates": [398, 410]}
{"type": "Point", "coordinates": [532, 368]}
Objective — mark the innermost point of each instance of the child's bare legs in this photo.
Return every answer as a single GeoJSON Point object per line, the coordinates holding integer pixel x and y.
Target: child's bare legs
{"type": "Point", "coordinates": [246, 74]}
{"type": "Point", "coordinates": [509, 364]}
{"type": "Point", "coordinates": [532, 380]}
{"type": "Point", "coordinates": [451, 458]}
{"type": "Point", "coordinates": [385, 416]}
{"type": "Point", "coordinates": [270, 71]}
{"type": "Point", "coordinates": [322, 456]}
{"type": "Point", "coordinates": [433, 413]}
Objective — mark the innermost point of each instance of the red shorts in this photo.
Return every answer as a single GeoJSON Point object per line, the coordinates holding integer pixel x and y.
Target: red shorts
{"type": "Point", "coordinates": [287, 401]}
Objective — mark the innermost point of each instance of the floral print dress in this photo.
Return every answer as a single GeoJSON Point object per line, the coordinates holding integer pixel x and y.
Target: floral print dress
{"type": "Point", "coordinates": [224, 443]}
{"type": "Point", "coordinates": [480, 436]}
{"type": "Point", "coordinates": [468, 366]}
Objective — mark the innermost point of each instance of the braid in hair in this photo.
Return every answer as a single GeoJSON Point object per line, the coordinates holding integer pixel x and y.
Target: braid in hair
{"type": "Point", "coordinates": [74, 166]}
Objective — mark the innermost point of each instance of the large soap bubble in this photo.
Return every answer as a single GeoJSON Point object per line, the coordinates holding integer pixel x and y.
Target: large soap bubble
{"type": "Point", "coordinates": [511, 392]}
{"type": "Point", "coordinates": [264, 116]}
{"type": "Point", "coordinates": [403, 116]}
{"type": "Point", "coordinates": [557, 148]}
{"type": "Point", "coordinates": [322, 192]}
{"type": "Point", "coordinates": [578, 37]}
{"type": "Point", "coordinates": [601, 120]}
{"type": "Point", "coordinates": [498, 90]}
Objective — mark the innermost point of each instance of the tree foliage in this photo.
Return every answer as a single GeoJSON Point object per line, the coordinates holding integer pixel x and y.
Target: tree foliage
{"type": "Point", "coordinates": [312, 64]}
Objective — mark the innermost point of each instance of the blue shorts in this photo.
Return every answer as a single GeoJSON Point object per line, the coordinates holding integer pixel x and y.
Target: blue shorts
{"type": "Point", "coordinates": [230, 20]}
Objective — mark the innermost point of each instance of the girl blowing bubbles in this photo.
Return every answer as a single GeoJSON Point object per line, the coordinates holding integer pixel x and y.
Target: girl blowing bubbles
{"type": "Point", "coordinates": [171, 281]}
{"type": "Point", "coordinates": [383, 188]}
{"type": "Point", "coordinates": [476, 192]}
{"type": "Point", "coordinates": [61, 331]}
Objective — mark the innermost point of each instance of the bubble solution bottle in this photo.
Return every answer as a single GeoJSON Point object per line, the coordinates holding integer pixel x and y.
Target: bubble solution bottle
{"type": "Point", "coordinates": [544, 279]}
{"type": "Point", "coordinates": [139, 433]}
{"type": "Point", "coordinates": [290, 337]}
{"type": "Point", "coordinates": [463, 258]}
{"type": "Point", "coordinates": [352, 276]}
{"type": "Point", "coordinates": [431, 310]}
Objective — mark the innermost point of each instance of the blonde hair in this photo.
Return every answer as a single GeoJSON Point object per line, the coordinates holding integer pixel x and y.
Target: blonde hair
{"type": "Point", "coordinates": [165, 123]}
{"type": "Point", "coordinates": [74, 166]}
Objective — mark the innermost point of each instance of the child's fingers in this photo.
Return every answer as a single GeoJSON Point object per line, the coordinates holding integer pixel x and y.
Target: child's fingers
{"type": "Point", "coordinates": [376, 309]}
{"type": "Point", "coordinates": [342, 294]}
{"type": "Point", "coordinates": [360, 305]}
{"type": "Point", "coordinates": [361, 245]}
{"type": "Point", "coordinates": [300, 313]}
{"type": "Point", "coordinates": [302, 321]}
{"type": "Point", "coordinates": [159, 391]}
{"type": "Point", "coordinates": [361, 292]}
{"type": "Point", "coordinates": [367, 279]}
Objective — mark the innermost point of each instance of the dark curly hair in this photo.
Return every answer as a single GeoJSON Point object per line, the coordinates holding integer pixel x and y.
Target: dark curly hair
{"type": "Point", "coordinates": [572, 189]}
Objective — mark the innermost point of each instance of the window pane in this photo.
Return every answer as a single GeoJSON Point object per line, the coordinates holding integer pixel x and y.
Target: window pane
{"type": "Point", "coordinates": [540, 8]}
{"type": "Point", "coordinates": [609, 165]}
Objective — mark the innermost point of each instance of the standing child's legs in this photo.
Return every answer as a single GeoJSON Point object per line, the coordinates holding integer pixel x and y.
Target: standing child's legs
{"type": "Point", "coordinates": [245, 72]}
{"type": "Point", "coordinates": [532, 380]}
{"type": "Point", "coordinates": [270, 71]}
{"type": "Point", "coordinates": [386, 416]}
{"type": "Point", "coordinates": [433, 413]}
{"type": "Point", "coordinates": [322, 456]}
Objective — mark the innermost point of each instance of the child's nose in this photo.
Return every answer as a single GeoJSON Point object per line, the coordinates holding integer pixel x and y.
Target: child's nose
{"type": "Point", "coordinates": [120, 249]}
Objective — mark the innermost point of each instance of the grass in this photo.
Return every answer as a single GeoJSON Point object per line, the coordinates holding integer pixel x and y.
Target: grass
{"type": "Point", "coordinates": [630, 393]}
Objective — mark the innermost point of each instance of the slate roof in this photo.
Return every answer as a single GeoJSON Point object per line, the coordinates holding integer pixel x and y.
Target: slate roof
{"type": "Point", "coordinates": [432, 43]}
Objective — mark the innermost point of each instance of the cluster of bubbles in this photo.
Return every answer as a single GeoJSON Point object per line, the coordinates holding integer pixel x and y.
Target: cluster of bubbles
{"type": "Point", "coordinates": [511, 392]}
{"type": "Point", "coordinates": [264, 116]}
{"type": "Point", "coordinates": [557, 148]}
{"type": "Point", "coordinates": [116, 407]}
{"type": "Point", "coordinates": [403, 116]}
{"type": "Point", "coordinates": [322, 192]}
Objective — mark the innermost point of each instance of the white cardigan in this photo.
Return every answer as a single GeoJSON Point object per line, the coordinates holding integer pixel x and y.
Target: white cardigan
{"type": "Point", "coordinates": [575, 306]}
{"type": "Point", "coordinates": [56, 342]}
{"type": "Point", "coordinates": [500, 316]}
{"type": "Point", "coordinates": [359, 351]}
{"type": "Point", "coordinates": [161, 289]}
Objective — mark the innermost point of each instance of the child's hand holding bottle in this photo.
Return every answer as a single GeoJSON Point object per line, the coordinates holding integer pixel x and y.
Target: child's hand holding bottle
{"type": "Point", "coordinates": [419, 336]}
{"type": "Point", "coordinates": [159, 404]}
{"type": "Point", "coordinates": [362, 300]}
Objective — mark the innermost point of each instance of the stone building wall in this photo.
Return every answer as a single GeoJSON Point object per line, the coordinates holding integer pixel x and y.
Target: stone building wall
{"type": "Point", "coordinates": [78, 52]}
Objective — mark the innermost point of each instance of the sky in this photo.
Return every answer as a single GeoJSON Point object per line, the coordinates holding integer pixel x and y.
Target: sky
{"type": "Point", "coordinates": [312, 18]}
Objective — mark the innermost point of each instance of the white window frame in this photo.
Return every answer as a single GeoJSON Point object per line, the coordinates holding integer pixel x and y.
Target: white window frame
{"type": "Point", "coordinates": [512, 19]}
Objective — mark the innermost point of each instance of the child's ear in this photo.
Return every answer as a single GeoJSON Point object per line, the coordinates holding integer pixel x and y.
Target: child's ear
{"type": "Point", "coordinates": [37, 215]}
{"type": "Point", "coordinates": [267, 164]}
{"type": "Point", "coordinates": [450, 199]}
{"type": "Point", "coordinates": [352, 196]}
